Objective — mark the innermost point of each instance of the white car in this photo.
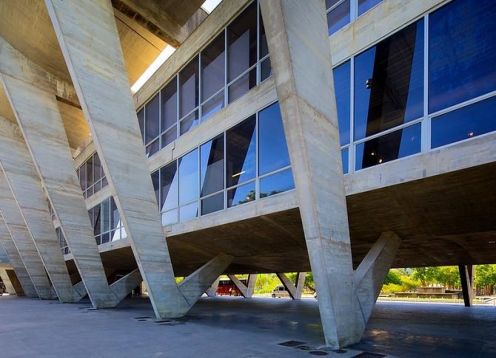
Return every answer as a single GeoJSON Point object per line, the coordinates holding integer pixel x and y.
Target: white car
{"type": "Point", "coordinates": [280, 292]}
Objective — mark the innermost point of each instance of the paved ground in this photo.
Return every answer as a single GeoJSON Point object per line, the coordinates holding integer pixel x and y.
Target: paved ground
{"type": "Point", "coordinates": [236, 327]}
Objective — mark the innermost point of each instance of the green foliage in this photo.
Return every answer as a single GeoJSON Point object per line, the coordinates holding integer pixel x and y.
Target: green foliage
{"type": "Point", "coordinates": [447, 276]}
{"type": "Point", "coordinates": [485, 275]}
{"type": "Point", "coordinates": [393, 277]}
{"type": "Point", "coordinates": [266, 283]}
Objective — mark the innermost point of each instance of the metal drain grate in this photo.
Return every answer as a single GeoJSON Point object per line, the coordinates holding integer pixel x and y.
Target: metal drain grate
{"type": "Point", "coordinates": [291, 343]}
{"type": "Point", "coordinates": [369, 355]}
{"type": "Point", "coordinates": [318, 353]}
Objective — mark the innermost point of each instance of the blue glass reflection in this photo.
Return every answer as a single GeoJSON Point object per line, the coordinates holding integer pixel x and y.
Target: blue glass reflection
{"type": "Point", "coordinates": [389, 82]}
{"type": "Point", "coordinates": [344, 159]}
{"type": "Point", "coordinates": [212, 203]}
{"type": "Point", "coordinates": [241, 194]}
{"type": "Point", "coordinates": [188, 212]}
{"type": "Point", "coordinates": [276, 183]}
{"type": "Point", "coordinates": [212, 166]}
{"type": "Point", "coordinates": [466, 122]}
{"type": "Point", "coordinates": [188, 177]}
{"type": "Point", "coordinates": [342, 90]}
{"type": "Point", "coordinates": [462, 52]}
{"type": "Point", "coordinates": [366, 5]}
{"type": "Point", "coordinates": [338, 17]}
{"type": "Point", "coordinates": [273, 151]}
{"type": "Point", "coordinates": [241, 152]}
{"type": "Point", "coordinates": [395, 145]}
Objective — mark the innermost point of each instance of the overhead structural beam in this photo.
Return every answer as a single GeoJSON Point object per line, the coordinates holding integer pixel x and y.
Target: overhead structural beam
{"type": "Point", "coordinates": [295, 290]}
{"type": "Point", "coordinates": [88, 37]}
{"type": "Point", "coordinates": [300, 57]}
{"type": "Point", "coordinates": [27, 287]}
{"type": "Point", "coordinates": [23, 241]}
{"type": "Point", "coordinates": [467, 281]}
{"type": "Point", "coordinates": [248, 289]}
{"type": "Point", "coordinates": [24, 182]}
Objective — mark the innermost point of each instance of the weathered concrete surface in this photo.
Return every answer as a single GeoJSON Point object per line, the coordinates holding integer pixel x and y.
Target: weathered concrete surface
{"type": "Point", "coordinates": [39, 120]}
{"type": "Point", "coordinates": [300, 57]}
{"type": "Point", "coordinates": [248, 289]}
{"type": "Point", "coordinates": [295, 290]}
{"type": "Point", "coordinates": [9, 287]}
{"type": "Point", "coordinates": [370, 274]}
{"type": "Point", "coordinates": [25, 282]}
{"type": "Point", "coordinates": [467, 281]}
{"type": "Point", "coordinates": [212, 290]}
{"type": "Point", "coordinates": [24, 182]}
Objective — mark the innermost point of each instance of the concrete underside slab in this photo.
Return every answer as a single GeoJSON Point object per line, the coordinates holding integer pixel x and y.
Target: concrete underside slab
{"type": "Point", "coordinates": [227, 327]}
{"type": "Point", "coordinates": [442, 220]}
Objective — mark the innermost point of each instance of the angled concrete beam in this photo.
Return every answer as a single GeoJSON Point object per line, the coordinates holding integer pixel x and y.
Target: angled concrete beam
{"type": "Point", "coordinates": [23, 241]}
{"type": "Point", "coordinates": [123, 286]}
{"type": "Point", "coordinates": [9, 287]}
{"type": "Point", "coordinates": [39, 120]}
{"type": "Point", "coordinates": [248, 289]}
{"type": "Point", "coordinates": [370, 274]}
{"type": "Point", "coordinates": [295, 290]}
{"type": "Point", "coordinates": [4, 258]}
{"type": "Point", "coordinates": [24, 182]}
{"type": "Point", "coordinates": [212, 290]}
{"type": "Point", "coordinates": [300, 57]}
{"type": "Point", "coordinates": [27, 287]}
{"type": "Point", "coordinates": [88, 37]}
{"type": "Point", "coordinates": [467, 281]}
{"type": "Point", "coordinates": [193, 286]}
{"type": "Point", "coordinates": [19, 66]}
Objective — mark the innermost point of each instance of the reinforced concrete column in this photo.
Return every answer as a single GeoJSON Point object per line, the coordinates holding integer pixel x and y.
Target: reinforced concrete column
{"type": "Point", "coordinates": [467, 281]}
{"type": "Point", "coordinates": [301, 63]}
{"type": "Point", "coordinates": [23, 241]}
{"type": "Point", "coordinates": [212, 290]}
{"type": "Point", "coordinates": [89, 40]}
{"type": "Point", "coordinates": [24, 182]}
{"type": "Point", "coordinates": [16, 262]}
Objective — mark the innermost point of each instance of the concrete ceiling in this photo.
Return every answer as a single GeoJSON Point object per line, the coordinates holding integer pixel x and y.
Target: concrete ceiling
{"type": "Point", "coordinates": [25, 24]}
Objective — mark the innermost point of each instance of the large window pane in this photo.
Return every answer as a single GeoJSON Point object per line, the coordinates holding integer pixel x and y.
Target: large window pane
{"type": "Point", "coordinates": [115, 220]}
{"type": "Point", "coordinates": [96, 220]}
{"type": "Point", "coordinates": [188, 87]}
{"type": "Point", "coordinates": [97, 168]}
{"type": "Point", "coordinates": [188, 212]}
{"type": "Point", "coordinates": [89, 172]}
{"type": "Point", "coordinates": [169, 186]}
{"type": "Point", "coordinates": [466, 122]}
{"type": "Point", "coordinates": [213, 66]}
{"type": "Point", "coordinates": [398, 144]}
{"type": "Point", "coordinates": [242, 42]}
{"type": "Point", "coordinates": [462, 52]}
{"type": "Point", "coordinates": [344, 160]}
{"type": "Point", "coordinates": [276, 183]}
{"type": "Point", "coordinates": [338, 17]}
{"type": "Point", "coordinates": [273, 151]}
{"type": "Point", "coordinates": [156, 184]}
{"type": "Point", "coordinates": [82, 177]}
{"type": "Point", "coordinates": [241, 194]}
{"type": "Point", "coordinates": [242, 85]}
{"type": "Point", "coordinates": [188, 177]}
{"type": "Point", "coordinates": [141, 122]}
{"type": "Point", "coordinates": [213, 105]}
{"type": "Point", "coordinates": [212, 203]}
{"type": "Point", "coordinates": [170, 217]}
{"type": "Point", "coordinates": [105, 214]}
{"type": "Point", "coordinates": [189, 122]}
{"type": "Point", "coordinates": [169, 105]}
{"type": "Point", "coordinates": [152, 119]}
{"type": "Point", "coordinates": [342, 90]}
{"type": "Point", "coordinates": [212, 166]}
{"type": "Point", "coordinates": [264, 48]}
{"type": "Point", "coordinates": [240, 152]}
{"type": "Point", "coordinates": [366, 5]}
{"type": "Point", "coordinates": [389, 82]}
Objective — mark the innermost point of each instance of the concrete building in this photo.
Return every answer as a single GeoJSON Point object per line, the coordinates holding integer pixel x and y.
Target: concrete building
{"type": "Point", "coordinates": [342, 137]}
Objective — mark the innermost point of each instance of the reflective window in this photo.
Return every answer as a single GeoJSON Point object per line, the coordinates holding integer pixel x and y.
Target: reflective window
{"type": "Point", "coordinates": [273, 151]}
{"type": "Point", "coordinates": [156, 185]}
{"type": "Point", "coordinates": [240, 152]}
{"type": "Point", "coordinates": [241, 194]}
{"type": "Point", "coordinates": [106, 222]}
{"type": "Point", "coordinates": [189, 122]}
{"type": "Point", "coordinates": [467, 122]}
{"type": "Point", "coordinates": [152, 128]}
{"type": "Point", "coordinates": [212, 166]}
{"type": "Point", "coordinates": [169, 112]}
{"type": "Point", "coordinates": [366, 5]}
{"type": "Point", "coordinates": [342, 84]}
{"type": "Point", "coordinates": [344, 159]}
{"type": "Point", "coordinates": [398, 144]}
{"type": "Point", "coordinates": [276, 183]}
{"type": "Point", "coordinates": [212, 203]}
{"type": "Point", "coordinates": [91, 176]}
{"type": "Point", "coordinates": [188, 212]}
{"type": "Point", "coordinates": [213, 63]}
{"type": "Point", "coordinates": [462, 52]}
{"type": "Point", "coordinates": [389, 82]}
{"type": "Point", "coordinates": [169, 187]}
{"type": "Point", "coordinates": [188, 87]}
{"type": "Point", "coordinates": [141, 122]}
{"type": "Point", "coordinates": [188, 177]}
{"type": "Point", "coordinates": [338, 16]}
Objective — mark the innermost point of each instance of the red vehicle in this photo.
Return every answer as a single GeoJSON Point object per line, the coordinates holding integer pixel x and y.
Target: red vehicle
{"type": "Point", "coordinates": [228, 288]}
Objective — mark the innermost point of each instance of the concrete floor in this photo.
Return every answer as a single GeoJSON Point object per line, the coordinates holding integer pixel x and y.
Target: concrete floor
{"type": "Point", "coordinates": [236, 327]}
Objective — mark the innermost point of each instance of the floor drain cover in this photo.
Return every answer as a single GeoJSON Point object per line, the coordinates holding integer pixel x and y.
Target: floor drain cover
{"type": "Point", "coordinates": [369, 355]}
{"type": "Point", "coordinates": [291, 343]}
{"type": "Point", "coordinates": [318, 353]}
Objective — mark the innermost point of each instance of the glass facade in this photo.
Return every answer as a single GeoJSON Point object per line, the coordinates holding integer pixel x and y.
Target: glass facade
{"type": "Point", "coordinates": [91, 176]}
{"type": "Point", "coordinates": [248, 161]}
{"type": "Point", "coordinates": [227, 68]}
{"type": "Point", "coordinates": [106, 223]}
{"type": "Point", "coordinates": [428, 85]}
{"type": "Point", "coordinates": [341, 12]}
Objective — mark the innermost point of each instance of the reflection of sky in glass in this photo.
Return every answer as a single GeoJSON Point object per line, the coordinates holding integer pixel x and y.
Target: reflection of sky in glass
{"type": "Point", "coordinates": [241, 194]}
{"type": "Point", "coordinates": [188, 177]}
{"type": "Point", "coordinates": [212, 166]}
{"type": "Point", "coordinates": [366, 5]}
{"type": "Point", "coordinates": [188, 211]}
{"type": "Point", "coordinates": [342, 90]}
{"type": "Point", "coordinates": [273, 151]}
{"type": "Point", "coordinates": [344, 159]}
{"type": "Point", "coordinates": [241, 152]}
{"type": "Point", "coordinates": [276, 183]}
{"type": "Point", "coordinates": [169, 186]}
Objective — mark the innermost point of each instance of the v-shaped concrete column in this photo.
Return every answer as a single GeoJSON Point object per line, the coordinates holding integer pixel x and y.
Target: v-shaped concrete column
{"type": "Point", "coordinates": [23, 241]}
{"type": "Point", "coordinates": [295, 290]}
{"type": "Point", "coordinates": [15, 261]}
{"type": "Point", "coordinates": [89, 40]}
{"type": "Point", "coordinates": [300, 56]}
{"type": "Point", "coordinates": [20, 173]}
